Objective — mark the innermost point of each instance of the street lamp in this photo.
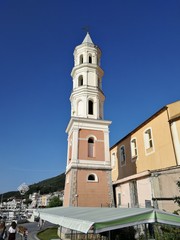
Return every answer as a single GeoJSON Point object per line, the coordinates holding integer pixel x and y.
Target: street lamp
{"type": "Point", "coordinates": [23, 188]}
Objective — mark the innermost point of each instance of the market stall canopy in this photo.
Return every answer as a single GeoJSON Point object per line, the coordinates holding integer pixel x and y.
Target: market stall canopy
{"type": "Point", "coordinates": [99, 220]}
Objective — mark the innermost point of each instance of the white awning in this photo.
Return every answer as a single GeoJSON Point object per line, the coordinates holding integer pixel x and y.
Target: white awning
{"type": "Point", "coordinates": [83, 219]}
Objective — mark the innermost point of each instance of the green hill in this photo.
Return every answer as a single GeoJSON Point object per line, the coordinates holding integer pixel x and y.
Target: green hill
{"type": "Point", "coordinates": [44, 187]}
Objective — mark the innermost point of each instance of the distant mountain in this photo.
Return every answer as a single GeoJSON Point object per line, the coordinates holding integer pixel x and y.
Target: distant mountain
{"type": "Point", "coordinates": [44, 187]}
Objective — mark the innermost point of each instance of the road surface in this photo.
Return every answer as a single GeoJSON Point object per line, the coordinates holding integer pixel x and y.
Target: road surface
{"type": "Point", "coordinates": [33, 229]}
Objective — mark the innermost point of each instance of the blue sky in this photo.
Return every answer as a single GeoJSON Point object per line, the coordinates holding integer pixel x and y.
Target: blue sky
{"type": "Point", "coordinates": [140, 43]}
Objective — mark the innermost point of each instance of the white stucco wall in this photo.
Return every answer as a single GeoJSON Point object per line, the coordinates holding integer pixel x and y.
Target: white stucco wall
{"type": "Point", "coordinates": [144, 191]}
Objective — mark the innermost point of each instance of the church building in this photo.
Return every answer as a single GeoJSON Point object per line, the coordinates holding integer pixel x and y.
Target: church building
{"type": "Point", "coordinates": [88, 171]}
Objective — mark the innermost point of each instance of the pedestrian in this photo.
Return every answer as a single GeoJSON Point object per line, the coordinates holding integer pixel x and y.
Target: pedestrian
{"type": "Point", "coordinates": [3, 231]}
{"type": "Point", "coordinates": [12, 231]}
{"type": "Point", "coordinates": [41, 223]}
{"type": "Point", "coordinates": [25, 234]}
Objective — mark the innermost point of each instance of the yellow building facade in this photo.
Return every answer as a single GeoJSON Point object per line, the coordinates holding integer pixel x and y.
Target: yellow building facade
{"type": "Point", "coordinates": [146, 162]}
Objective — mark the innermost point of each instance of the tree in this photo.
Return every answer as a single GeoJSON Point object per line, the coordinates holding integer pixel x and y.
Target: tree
{"type": "Point", "coordinates": [55, 202]}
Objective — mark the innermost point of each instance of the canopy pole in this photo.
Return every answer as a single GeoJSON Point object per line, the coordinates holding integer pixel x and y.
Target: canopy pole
{"type": "Point", "coordinates": [60, 231]}
{"type": "Point", "coordinates": [146, 236]}
{"type": "Point", "coordinates": [71, 234]}
{"type": "Point", "coordinates": [75, 235]}
{"type": "Point", "coordinates": [109, 237]}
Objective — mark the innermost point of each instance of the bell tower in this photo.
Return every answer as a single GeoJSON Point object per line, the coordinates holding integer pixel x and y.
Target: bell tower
{"type": "Point", "coordinates": [88, 170]}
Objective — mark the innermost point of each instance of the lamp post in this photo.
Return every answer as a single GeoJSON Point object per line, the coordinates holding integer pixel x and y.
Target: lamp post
{"type": "Point", "coordinates": [23, 188]}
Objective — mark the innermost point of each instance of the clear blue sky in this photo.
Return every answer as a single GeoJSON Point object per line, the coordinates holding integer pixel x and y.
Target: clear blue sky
{"type": "Point", "coordinates": [140, 43]}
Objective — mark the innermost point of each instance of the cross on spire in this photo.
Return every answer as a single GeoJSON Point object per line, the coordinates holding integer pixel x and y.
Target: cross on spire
{"type": "Point", "coordinates": [86, 29]}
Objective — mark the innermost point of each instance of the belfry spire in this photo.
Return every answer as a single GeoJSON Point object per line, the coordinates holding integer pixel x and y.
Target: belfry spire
{"type": "Point", "coordinates": [87, 39]}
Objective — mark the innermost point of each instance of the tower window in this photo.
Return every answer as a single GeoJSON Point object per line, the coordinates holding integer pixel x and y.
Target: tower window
{"type": "Point", "coordinates": [80, 81]}
{"type": "Point", "coordinates": [92, 177]}
{"type": "Point", "coordinates": [81, 59]}
{"type": "Point", "coordinates": [91, 147]}
{"type": "Point", "coordinates": [90, 107]}
{"type": "Point", "coordinates": [90, 59]}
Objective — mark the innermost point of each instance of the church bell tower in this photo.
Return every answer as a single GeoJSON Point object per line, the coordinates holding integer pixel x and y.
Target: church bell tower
{"type": "Point", "coordinates": [88, 170]}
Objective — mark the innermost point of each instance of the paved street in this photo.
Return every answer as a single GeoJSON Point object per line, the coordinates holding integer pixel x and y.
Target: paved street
{"type": "Point", "coordinates": [33, 229]}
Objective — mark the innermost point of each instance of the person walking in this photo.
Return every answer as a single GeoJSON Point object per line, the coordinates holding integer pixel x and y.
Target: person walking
{"type": "Point", "coordinates": [3, 231]}
{"type": "Point", "coordinates": [12, 231]}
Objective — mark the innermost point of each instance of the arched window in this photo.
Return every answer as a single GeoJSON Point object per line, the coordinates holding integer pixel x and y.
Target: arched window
{"type": "Point", "coordinates": [122, 155]}
{"type": "Point", "coordinates": [81, 59]}
{"type": "Point", "coordinates": [91, 147]}
{"type": "Point", "coordinates": [90, 59]}
{"type": "Point", "coordinates": [92, 177]}
{"type": "Point", "coordinates": [80, 81]}
{"type": "Point", "coordinates": [90, 107]}
{"type": "Point", "coordinates": [148, 141]}
{"type": "Point", "coordinates": [133, 144]}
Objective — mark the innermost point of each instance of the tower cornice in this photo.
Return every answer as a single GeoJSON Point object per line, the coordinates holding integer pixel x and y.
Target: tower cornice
{"type": "Point", "coordinates": [88, 90]}
{"type": "Point", "coordinates": [90, 45]}
{"type": "Point", "coordinates": [84, 122]}
{"type": "Point", "coordinates": [89, 66]}
{"type": "Point", "coordinates": [85, 167]}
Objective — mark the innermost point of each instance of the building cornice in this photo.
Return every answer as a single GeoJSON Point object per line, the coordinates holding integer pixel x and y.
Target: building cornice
{"type": "Point", "coordinates": [83, 122]}
{"type": "Point", "coordinates": [152, 173]}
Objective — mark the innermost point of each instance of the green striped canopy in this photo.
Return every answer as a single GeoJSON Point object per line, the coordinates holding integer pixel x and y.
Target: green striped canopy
{"type": "Point", "coordinates": [84, 219]}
